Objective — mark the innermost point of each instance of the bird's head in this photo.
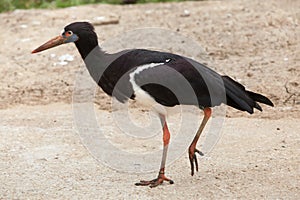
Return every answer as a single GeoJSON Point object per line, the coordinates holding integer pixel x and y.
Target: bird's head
{"type": "Point", "coordinates": [81, 33]}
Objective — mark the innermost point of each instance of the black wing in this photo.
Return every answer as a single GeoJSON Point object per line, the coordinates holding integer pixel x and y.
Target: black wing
{"type": "Point", "coordinates": [178, 80]}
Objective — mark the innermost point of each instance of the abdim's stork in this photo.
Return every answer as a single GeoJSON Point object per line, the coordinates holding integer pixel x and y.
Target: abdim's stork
{"type": "Point", "coordinates": [136, 74]}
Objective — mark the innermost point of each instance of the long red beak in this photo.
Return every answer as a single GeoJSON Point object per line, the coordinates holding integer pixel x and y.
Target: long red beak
{"type": "Point", "coordinates": [58, 40]}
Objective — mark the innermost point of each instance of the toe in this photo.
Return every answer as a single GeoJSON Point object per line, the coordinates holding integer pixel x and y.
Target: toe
{"type": "Point", "coordinates": [155, 182]}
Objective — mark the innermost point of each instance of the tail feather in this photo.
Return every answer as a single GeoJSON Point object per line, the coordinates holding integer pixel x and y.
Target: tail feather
{"type": "Point", "coordinates": [242, 99]}
{"type": "Point", "coordinates": [260, 98]}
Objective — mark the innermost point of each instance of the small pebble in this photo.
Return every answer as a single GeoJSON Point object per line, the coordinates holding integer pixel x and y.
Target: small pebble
{"type": "Point", "coordinates": [186, 13]}
{"type": "Point", "coordinates": [23, 26]}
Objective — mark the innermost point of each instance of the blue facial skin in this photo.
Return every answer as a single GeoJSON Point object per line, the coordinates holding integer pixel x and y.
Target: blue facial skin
{"type": "Point", "coordinates": [72, 38]}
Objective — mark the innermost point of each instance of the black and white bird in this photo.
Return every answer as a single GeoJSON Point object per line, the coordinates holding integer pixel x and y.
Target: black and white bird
{"type": "Point", "coordinates": [157, 77]}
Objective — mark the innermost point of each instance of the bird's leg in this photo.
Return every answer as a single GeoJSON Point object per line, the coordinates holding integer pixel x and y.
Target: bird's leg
{"type": "Point", "coordinates": [192, 148]}
{"type": "Point", "coordinates": [161, 175]}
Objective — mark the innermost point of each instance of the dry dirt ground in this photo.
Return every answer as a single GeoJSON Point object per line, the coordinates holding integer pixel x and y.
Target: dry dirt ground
{"type": "Point", "coordinates": [257, 157]}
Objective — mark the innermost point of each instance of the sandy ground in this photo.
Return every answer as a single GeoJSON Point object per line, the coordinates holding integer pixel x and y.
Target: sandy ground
{"type": "Point", "coordinates": [42, 156]}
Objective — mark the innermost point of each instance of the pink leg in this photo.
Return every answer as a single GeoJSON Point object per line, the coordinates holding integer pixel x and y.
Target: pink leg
{"type": "Point", "coordinates": [161, 175]}
{"type": "Point", "coordinates": [192, 148]}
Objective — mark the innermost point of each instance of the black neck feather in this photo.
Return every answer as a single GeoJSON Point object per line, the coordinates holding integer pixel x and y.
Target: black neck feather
{"type": "Point", "coordinates": [86, 43]}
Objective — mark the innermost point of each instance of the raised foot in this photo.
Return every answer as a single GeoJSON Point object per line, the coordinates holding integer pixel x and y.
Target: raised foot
{"type": "Point", "coordinates": [155, 182]}
{"type": "Point", "coordinates": [193, 159]}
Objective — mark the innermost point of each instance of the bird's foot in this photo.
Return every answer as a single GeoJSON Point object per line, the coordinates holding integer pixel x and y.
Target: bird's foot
{"type": "Point", "coordinates": [193, 158]}
{"type": "Point", "coordinates": [155, 182]}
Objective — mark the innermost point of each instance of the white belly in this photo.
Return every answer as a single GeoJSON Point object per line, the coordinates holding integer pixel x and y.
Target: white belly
{"type": "Point", "coordinates": [141, 96]}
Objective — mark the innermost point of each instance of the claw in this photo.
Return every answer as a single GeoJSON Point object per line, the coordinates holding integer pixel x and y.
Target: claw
{"type": "Point", "coordinates": [200, 152]}
{"type": "Point", "coordinates": [193, 159]}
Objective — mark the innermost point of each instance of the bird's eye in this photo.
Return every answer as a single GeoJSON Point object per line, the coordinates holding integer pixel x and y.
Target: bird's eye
{"type": "Point", "coordinates": [68, 33]}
